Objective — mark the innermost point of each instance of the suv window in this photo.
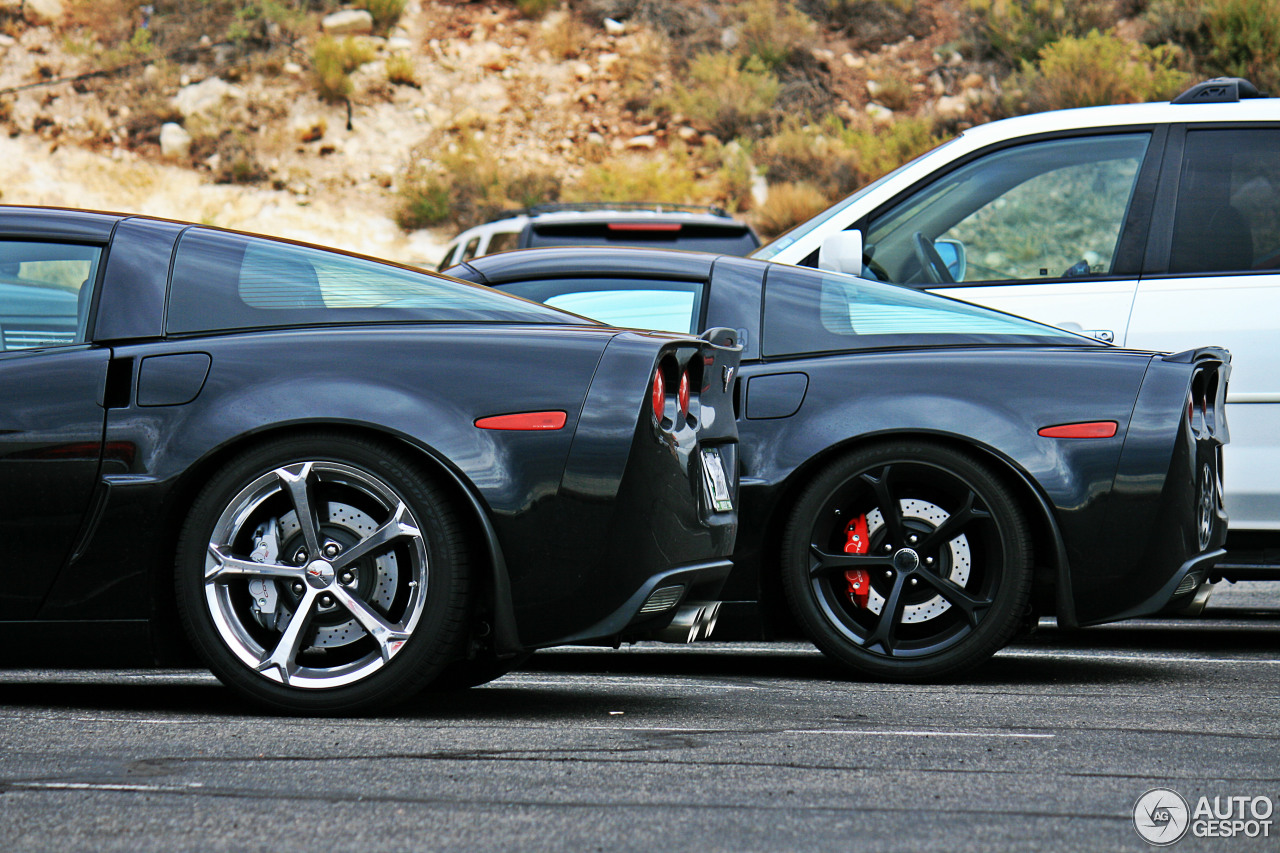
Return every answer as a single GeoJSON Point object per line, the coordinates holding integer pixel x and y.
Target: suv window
{"type": "Point", "coordinates": [234, 281]}
{"type": "Point", "coordinates": [1044, 210]}
{"type": "Point", "coordinates": [1227, 217]}
{"type": "Point", "coordinates": [810, 311]}
{"type": "Point", "coordinates": [44, 293]}
{"type": "Point", "coordinates": [728, 239]}
{"type": "Point", "coordinates": [667, 306]}
{"type": "Point", "coordinates": [502, 241]}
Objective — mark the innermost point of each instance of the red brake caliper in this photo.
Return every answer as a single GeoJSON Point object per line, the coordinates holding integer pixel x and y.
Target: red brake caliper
{"type": "Point", "coordinates": [858, 542]}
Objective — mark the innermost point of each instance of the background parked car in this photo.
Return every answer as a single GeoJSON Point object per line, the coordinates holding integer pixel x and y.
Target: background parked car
{"type": "Point", "coordinates": [338, 480]}
{"type": "Point", "coordinates": [693, 227]}
{"type": "Point", "coordinates": [1154, 226]}
{"type": "Point", "coordinates": [921, 476]}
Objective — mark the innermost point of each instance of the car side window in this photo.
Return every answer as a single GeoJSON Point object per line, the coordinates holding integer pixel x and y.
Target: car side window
{"type": "Point", "coordinates": [1045, 210]}
{"type": "Point", "coordinates": [665, 306]}
{"type": "Point", "coordinates": [502, 241]}
{"type": "Point", "coordinates": [45, 290]}
{"type": "Point", "coordinates": [1227, 217]}
{"type": "Point", "coordinates": [223, 281]}
{"type": "Point", "coordinates": [470, 251]}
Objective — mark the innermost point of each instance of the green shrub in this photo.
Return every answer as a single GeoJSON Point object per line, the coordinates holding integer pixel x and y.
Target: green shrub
{"type": "Point", "coordinates": [1017, 30]}
{"type": "Point", "coordinates": [466, 187]}
{"type": "Point", "coordinates": [1232, 38]}
{"type": "Point", "coordinates": [424, 202]}
{"type": "Point", "coordinates": [334, 61]}
{"type": "Point", "coordinates": [535, 8]}
{"type": "Point", "coordinates": [773, 31]}
{"type": "Point", "coordinates": [386, 13]}
{"type": "Point", "coordinates": [1100, 69]}
{"type": "Point", "coordinates": [400, 70]}
{"type": "Point", "coordinates": [668, 176]}
{"type": "Point", "coordinates": [724, 96]}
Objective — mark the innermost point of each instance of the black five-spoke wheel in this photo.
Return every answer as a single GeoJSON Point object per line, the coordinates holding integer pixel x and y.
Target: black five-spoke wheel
{"type": "Point", "coordinates": [323, 574]}
{"type": "Point", "coordinates": [907, 561]}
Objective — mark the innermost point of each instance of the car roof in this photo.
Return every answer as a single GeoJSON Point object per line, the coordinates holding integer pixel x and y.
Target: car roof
{"type": "Point", "coordinates": [1122, 115]}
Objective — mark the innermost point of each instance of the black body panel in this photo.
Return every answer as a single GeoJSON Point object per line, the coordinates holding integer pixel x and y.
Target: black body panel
{"type": "Point", "coordinates": [104, 447]}
{"type": "Point", "coordinates": [1115, 518]}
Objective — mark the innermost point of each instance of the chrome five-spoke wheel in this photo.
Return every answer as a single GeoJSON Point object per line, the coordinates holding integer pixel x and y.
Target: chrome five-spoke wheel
{"type": "Point", "coordinates": [330, 576]}
{"type": "Point", "coordinates": [907, 561]}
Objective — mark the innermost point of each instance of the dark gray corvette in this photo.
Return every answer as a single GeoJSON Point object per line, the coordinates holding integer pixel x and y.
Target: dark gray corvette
{"type": "Point", "coordinates": [921, 476]}
{"type": "Point", "coordinates": [336, 480]}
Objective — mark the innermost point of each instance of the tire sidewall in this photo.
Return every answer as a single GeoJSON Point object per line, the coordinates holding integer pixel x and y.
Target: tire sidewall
{"type": "Point", "coordinates": [435, 639]}
{"type": "Point", "coordinates": [997, 625]}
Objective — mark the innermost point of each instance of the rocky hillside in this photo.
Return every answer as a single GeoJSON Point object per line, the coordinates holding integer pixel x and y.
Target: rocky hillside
{"type": "Point", "coordinates": [385, 126]}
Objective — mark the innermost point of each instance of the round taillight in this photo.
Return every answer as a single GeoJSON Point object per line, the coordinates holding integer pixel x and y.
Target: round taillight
{"type": "Point", "coordinates": [659, 394]}
{"type": "Point", "coordinates": [683, 395]}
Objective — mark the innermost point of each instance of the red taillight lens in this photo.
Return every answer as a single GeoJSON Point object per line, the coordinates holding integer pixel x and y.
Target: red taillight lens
{"type": "Point", "coordinates": [659, 394]}
{"type": "Point", "coordinates": [683, 395]}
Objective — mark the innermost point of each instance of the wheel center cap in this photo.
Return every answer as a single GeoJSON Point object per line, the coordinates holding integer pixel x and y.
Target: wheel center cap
{"type": "Point", "coordinates": [906, 560]}
{"type": "Point", "coordinates": [320, 574]}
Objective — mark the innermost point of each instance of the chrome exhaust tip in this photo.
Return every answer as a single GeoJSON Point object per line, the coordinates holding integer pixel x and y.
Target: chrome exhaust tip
{"type": "Point", "coordinates": [694, 620]}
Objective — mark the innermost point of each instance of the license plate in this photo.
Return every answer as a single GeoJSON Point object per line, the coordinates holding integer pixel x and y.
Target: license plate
{"type": "Point", "coordinates": [717, 483]}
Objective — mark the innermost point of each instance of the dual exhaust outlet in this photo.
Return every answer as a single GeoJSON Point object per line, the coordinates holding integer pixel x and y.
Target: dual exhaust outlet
{"type": "Point", "coordinates": [694, 620]}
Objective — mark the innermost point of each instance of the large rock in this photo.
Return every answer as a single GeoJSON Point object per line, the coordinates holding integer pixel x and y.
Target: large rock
{"type": "Point", "coordinates": [44, 10]}
{"type": "Point", "coordinates": [175, 142]}
{"type": "Point", "coordinates": [350, 22]}
{"type": "Point", "coordinates": [204, 96]}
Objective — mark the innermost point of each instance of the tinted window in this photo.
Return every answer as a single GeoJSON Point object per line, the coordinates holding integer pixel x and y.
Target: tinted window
{"type": "Point", "coordinates": [720, 239]}
{"type": "Point", "coordinates": [1228, 213]}
{"type": "Point", "coordinates": [44, 293]}
{"type": "Point", "coordinates": [231, 281]}
{"type": "Point", "coordinates": [502, 241]}
{"type": "Point", "coordinates": [470, 251]}
{"type": "Point", "coordinates": [667, 306]}
{"type": "Point", "coordinates": [1044, 210]}
{"type": "Point", "coordinates": [808, 311]}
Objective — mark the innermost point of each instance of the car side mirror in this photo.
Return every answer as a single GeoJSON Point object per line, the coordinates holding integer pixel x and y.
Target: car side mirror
{"type": "Point", "coordinates": [953, 256]}
{"type": "Point", "coordinates": [842, 252]}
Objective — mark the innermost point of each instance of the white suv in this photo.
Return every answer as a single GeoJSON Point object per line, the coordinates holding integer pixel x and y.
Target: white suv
{"type": "Point", "coordinates": [1152, 226]}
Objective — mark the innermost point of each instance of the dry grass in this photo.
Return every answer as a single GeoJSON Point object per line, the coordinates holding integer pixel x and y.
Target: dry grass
{"type": "Point", "coordinates": [787, 206]}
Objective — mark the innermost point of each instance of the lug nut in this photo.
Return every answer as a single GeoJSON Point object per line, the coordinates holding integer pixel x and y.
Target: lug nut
{"type": "Point", "coordinates": [913, 539]}
{"type": "Point", "coordinates": [913, 581]}
{"type": "Point", "coordinates": [300, 557]}
{"type": "Point", "coordinates": [298, 589]}
{"type": "Point", "coordinates": [928, 561]}
{"type": "Point", "coordinates": [326, 601]}
{"type": "Point", "coordinates": [887, 547]}
{"type": "Point", "coordinates": [346, 578]}
{"type": "Point", "coordinates": [332, 549]}
{"type": "Point", "coordinates": [888, 574]}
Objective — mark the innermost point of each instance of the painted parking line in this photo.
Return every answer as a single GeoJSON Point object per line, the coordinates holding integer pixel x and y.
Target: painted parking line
{"type": "Point", "coordinates": [913, 733]}
{"type": "Point", "coordinates": [1163, 658]}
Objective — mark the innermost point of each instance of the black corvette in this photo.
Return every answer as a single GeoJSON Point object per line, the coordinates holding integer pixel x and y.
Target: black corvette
{"type": "Point", "coordinates": [338, 481]}
{"type": "Point", "coordinates": [922, 477]}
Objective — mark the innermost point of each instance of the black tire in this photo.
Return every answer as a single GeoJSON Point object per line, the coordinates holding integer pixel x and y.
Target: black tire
{"type": "Point", "coordinates": [465, 674]}
{"type": "Point", "coordinates": [940, 603]}
{"type": "Point", "coordinates": [385, 601]}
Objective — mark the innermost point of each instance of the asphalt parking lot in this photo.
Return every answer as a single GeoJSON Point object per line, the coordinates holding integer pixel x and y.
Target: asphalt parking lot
{"type": "Point", "coordinates": [737, 747]}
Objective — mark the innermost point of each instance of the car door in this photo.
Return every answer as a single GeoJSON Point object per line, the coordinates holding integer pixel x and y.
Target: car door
{"type": "Point", "coordinates": [52, 417]}
{"type": "Point", "coordinates": [1051, 229]}
{"type": "Point", "coordinates": [1214, 278]}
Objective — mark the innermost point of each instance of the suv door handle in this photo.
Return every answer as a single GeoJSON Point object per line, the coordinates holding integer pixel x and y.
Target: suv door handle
{"type": "Point", "coordinates": [1104, 335]}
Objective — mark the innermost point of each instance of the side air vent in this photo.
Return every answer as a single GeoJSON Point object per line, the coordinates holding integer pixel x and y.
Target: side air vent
{"type": "Point", "coordinates": [1219, 90]}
